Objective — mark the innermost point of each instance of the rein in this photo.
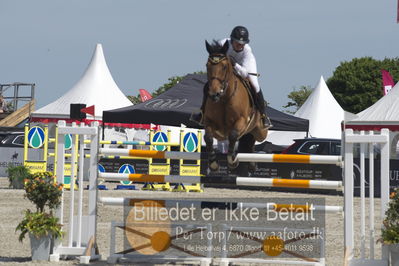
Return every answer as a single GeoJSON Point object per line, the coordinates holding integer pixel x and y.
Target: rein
{"type": "Point", "coordinates": [214, 60]}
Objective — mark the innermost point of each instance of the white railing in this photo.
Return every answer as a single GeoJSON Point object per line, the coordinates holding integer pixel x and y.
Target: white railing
{"type": "Point", "coordinates": [85, 246]}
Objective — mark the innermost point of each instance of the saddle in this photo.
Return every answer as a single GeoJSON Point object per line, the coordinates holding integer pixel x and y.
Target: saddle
{"type": "Point", "coordinates": [250, 90]}
{"type": "Point", "coordinates": [252, 96]}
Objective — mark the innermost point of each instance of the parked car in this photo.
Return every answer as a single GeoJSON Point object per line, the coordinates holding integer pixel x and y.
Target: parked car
{"type": "Point", "coordinates": [317, 146]}
{"type": "Point", "coordinates": [12, 139]}
{"type": "Point", "coordinates": [268, 147]}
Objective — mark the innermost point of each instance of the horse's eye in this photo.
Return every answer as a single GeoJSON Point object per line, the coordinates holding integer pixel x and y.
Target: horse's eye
{"type": "Point", "coordinates": [224, 67]}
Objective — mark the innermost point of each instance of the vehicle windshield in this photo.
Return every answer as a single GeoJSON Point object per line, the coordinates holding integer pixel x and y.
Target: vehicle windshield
{"type": "Point", "coordinates": [2, 137]}
{"type": "Point", "coordinates": [314, 148]}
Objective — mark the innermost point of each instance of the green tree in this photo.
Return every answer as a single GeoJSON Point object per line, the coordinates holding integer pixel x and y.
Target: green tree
{"type": "Point", "coordinates": [172, 81]}
{"type": "Point", "coordinates": [134, 99]}
{"type": "Point", "coordinates": [297, 97]}
{"type": "Point", "coordinates": [357, 84]}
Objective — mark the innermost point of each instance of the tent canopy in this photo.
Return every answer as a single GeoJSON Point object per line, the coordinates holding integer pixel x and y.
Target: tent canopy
{"type": "Point", "coordinates": [382, 114]}
{"type": "Point", "coordinates": [175, 106]}
{"type": "Point", "coordinates": [95, 87]}
{"type": "Point", "coordinates": [324, 113]}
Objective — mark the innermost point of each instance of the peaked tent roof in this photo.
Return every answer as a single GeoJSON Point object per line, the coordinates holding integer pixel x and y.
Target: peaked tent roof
{"type": "Point", "coordinates": [175, 106]}
{"type": "Point", "coordinates": [324, 113]}
{"type": "Point", "coordinates": [382, 114]}
{"type": "Point", "coordinates": [95, 87]}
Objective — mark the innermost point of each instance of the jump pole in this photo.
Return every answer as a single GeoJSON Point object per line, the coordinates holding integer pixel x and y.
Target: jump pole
{"type": "Point", "coordinates": [224, 205]}
{"type": "Point", "coordinates": [241, 157]}
{"type": "Point", "coordinates": [239, 181]}
{"type": "Point", "coordinates": [289, 158]}
{"type": "Point", "coordinates": [174, 155]}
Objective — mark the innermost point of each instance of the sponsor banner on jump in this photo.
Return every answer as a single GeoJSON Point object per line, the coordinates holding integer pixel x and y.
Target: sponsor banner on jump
{"type": "Point", "coordinates": [278, 170]}
{"type": "Point", "coordinates": [393, 176]}
{"type": "Point", "coordinates": [272, 170]}
{"type": "Point", "coordinates": [140, 166]}
{"type": "Point", "coordinates": [284, 170]}
{"type": "Point", "coordinates": [234, 228]}
{"type": "Point", "coordinates": [14, 156]}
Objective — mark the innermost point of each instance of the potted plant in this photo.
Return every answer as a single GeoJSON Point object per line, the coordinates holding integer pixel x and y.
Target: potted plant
{"type": "Point", "coordinates": [390, 231]}
{"type": "Point", "coordinates": [41, 225]}
{"type": "Point", "coordinates": [17, 175]}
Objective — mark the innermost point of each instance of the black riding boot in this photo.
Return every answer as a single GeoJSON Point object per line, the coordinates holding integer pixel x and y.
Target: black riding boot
{"type": "Point", "coordinates": [260, 105]}
{"type": "Point", "coordinates": [199, 117]}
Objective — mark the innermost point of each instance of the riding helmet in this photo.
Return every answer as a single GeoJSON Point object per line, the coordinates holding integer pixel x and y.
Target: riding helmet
{"type": "Point", "coordinates": [240, 34]}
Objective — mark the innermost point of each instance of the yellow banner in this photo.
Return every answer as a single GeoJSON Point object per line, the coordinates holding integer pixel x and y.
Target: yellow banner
{"type": "Point", "coordinates": [35, 167]}
{"type": "Point", "coordinates": [190, 170]}
{"type": "Point", "coordinates": [156, 169]}
{"type": "Point", "coordinates": [67, 169]}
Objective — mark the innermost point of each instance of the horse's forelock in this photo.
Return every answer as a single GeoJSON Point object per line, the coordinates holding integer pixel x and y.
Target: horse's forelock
{"type": "Point", "coordinates": [216, 47]}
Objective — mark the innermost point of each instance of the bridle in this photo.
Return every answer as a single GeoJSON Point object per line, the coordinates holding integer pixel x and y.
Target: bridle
{"type": "Point", "coordinates": [214, 60]}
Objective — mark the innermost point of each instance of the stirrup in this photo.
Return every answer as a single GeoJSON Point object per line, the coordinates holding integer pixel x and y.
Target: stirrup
{"type": "Point", "coordinates": [266, 121]}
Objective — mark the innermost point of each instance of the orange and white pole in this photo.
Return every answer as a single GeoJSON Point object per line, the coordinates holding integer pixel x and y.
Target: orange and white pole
{"type": "Point", "coordinates": [175, 155]}
{"type": "Point", "coordinates": [239, 181]}
{"type": "Point", "coordinates": [289, 158]}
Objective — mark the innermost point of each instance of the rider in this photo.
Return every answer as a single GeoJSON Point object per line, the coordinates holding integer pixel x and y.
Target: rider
{"type": "Point", "coordinates": [245, 65]}
{"type": "Point", "coordinates": [3, 104]}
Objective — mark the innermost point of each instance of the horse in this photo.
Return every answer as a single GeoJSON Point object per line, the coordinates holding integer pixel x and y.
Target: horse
{"type": "Point", "coordinates": [229, 112]}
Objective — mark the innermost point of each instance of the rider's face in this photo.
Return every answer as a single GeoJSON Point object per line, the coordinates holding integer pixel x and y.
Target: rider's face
{"type": "Point", "coordinates": [238, 47]}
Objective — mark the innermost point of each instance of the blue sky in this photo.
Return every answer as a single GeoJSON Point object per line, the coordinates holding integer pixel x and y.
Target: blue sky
{"type": "Point", "coordinates": [50, 42]}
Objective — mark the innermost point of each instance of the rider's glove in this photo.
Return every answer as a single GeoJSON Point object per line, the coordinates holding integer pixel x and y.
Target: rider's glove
{"type": "Point", "coordinates": [241, 70]}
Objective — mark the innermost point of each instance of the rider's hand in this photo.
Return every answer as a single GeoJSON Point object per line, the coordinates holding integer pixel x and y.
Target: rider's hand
{"type": "Point", "coordinates": [241, 70]}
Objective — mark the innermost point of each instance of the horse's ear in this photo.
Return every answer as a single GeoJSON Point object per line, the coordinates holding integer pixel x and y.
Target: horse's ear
{"type": "Point", "coordinates": [225, 47]}
{"type": "Point", "coordinates": [208, 47]}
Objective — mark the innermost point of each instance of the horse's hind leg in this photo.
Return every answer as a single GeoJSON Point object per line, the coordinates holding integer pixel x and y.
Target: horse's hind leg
{"type": "Point", "coordinates": [231, 155]}
{"type": "Point", "coordinates": [247, 145]}
{"type": "Point", "coordinates": [212, 162]}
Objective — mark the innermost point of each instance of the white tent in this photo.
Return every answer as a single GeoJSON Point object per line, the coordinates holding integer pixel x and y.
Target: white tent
{"type": "Point", "coordinates": [323, 112]}
{"type": "Point", "coordinates": [96, 87]}
{"type": "Point", "coordinates": [383, 113]}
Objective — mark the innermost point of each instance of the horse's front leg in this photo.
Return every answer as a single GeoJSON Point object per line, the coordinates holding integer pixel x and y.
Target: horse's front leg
{"type": "Point", "coordinates": [247, 145]}
{"type": "Point", "coordinates": [231, 154]}
{"type": "Point", "coordinates": [212, 162]}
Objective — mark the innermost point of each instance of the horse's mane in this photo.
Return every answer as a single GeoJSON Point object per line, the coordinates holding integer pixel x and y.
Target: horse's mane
{"type": "Point", "coordinates": [216, 47]}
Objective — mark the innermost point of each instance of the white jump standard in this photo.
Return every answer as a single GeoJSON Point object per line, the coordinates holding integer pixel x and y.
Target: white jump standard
{"type": "Point", "coordinates": [86, 249]}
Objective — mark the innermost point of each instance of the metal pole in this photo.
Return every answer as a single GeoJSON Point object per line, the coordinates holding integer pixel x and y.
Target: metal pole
{"type": "Point", "coordinates": [32, 91]}
{"type": "Point", "coordinates": [348, 201]}
{"type": "Point", "coordinates": [371, 197]}
{"type": "Point", "coordinates": [384, 183]}
{"type": "Point", "coordinates": [362, 201]}
{"type": "Point", "coordinates": [15, 97]}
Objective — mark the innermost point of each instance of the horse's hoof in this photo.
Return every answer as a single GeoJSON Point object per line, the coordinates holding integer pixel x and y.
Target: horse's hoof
{"type": "Point", "coordinates": [252, 167]}
{"type": "Point", "coordinates": [214, 166]}
{"type": "Point", "coordinates": [234, 164]}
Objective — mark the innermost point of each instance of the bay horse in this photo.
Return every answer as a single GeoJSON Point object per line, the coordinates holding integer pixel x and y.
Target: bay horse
{"type": "Point", "coordinates": [229, 112]}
